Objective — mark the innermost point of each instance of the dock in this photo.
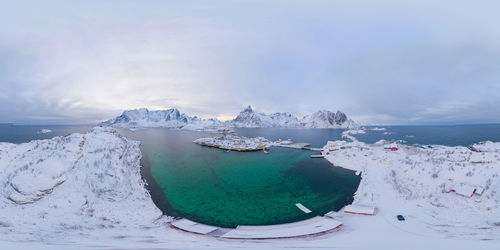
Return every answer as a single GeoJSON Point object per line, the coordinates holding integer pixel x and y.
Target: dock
{"type": "Point", "coordinates": [317, 156]}
{"type": "Point", "coordinates": [193, 227]}
{"type": "Point", "coordinates": [303, 208]}
{"type": "Point", "coordinates": [312, 226]}
{"type": "Point", "coordinates": [299, 145]}
{"type": "Point", "coordinates": [307, 227]}
{"type": "Point", "coordinates": [314, 149]}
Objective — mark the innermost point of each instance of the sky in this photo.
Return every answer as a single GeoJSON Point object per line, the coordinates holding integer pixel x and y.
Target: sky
{"type": "Point", "coordinates": [380, 62]}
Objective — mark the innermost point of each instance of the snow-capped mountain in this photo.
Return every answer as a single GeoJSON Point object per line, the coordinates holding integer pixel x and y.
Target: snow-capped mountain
{"type": "Point", "coordinates": [328, 119]}
{"type": "Point", "coordinates": [248, 118]}
{"type": "Point", "coordinates": [169, 118]}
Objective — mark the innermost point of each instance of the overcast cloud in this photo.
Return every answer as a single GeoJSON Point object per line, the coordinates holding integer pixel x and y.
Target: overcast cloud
{"type": "Point", "coordinates": [389, 62]}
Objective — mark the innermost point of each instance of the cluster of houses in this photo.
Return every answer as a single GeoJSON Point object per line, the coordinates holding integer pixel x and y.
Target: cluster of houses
{"type": "Point", "coordinates": [333, 146]}
{"type": "Point", "coordinates": [466, 190]}
{"type": "Point", "coordinates": [241, 143]}
{"type": "Point", "coordinates": [236, 143]}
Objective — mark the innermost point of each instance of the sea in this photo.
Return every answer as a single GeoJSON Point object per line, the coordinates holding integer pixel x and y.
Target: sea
{"type": "Point", "coordinates": [228, 189]}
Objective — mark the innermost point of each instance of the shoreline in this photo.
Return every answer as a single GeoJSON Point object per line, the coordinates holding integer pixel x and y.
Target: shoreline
{"type": "Point", "coordinates": [382, 187]}
{"type": "Point", "coordinates": [416, 231]}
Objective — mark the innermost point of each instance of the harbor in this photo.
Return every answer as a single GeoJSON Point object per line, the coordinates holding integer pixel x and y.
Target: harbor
{"type": "Point", "coordinates": [242, 144]}
{"type": "Point", "coordinates": [312, 226]}
{"type": "Point", "coordinates": [236, 143]}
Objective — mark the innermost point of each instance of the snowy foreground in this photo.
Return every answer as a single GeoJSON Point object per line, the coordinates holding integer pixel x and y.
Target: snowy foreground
{"type": "Point", "coordinates": [420, 183]}
{"type": "Point", "coordinates": [84, 191]}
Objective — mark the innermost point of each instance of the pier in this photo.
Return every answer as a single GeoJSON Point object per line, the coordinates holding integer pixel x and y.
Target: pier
{"type": "Point", "coordinates": [312, 226]}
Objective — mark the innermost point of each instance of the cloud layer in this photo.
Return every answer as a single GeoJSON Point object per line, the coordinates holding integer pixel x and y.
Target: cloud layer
{"type": "Point", "coordinates": [384, 62]}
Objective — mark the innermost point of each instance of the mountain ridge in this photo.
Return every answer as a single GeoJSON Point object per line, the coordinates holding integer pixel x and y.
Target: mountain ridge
{"type": "Point", "coordinates": [247, 118]}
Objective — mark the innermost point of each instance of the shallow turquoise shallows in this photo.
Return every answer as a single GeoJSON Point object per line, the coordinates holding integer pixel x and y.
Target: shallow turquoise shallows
{"type": "Point", "coordinates": [227, 189]}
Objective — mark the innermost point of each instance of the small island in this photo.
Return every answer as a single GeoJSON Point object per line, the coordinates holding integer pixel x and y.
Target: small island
{"type": "Point", "coordinates": [241, 143]}
{"type": "Point", "coordinates": [236, 143]}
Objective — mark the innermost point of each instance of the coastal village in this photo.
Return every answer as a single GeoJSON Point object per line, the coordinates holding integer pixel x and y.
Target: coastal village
{"type": "Point", "coordinates": [242, 144]}
{"type": "Point", "coordinates": [459, 175]}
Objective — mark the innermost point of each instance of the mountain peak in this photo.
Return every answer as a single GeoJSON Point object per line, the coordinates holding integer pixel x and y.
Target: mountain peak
{"type": "Point", "coordinates": [168, 118]}
{"type": "Point", "coordinates": [328, 119]}
{"type": "Point", "coordinates": [319, 119]}
{"type": "Point", "coordinates": [173, 118]}
{"type": "Point", "coordinates": [248, 109]}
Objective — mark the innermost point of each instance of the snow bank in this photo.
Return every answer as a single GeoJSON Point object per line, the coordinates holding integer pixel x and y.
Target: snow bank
{"type": "Point", "coordinates": [414, 181]}
{"type": "Point", "coordinates": [486, 146]}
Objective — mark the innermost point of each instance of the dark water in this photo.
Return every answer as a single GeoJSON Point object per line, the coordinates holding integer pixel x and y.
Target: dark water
{"type": "Point", "coordinates": [459, 135]}
{"type": "Point", "coordinates": [317, 137]}
{"type": "Point", "coordinates": [26, 133]}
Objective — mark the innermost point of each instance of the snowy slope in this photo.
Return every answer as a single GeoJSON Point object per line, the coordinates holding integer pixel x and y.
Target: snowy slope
{"type": "Point", "coordinates": [414, 182]}
{"type": "Point", "coordinates": [169, 118]}
{"type": "Point", "coordinates": [72, 185]}
{"type": "Point", "coordinates": [248, 118]}
{"type": "Point", "coordinates": [328, 119]}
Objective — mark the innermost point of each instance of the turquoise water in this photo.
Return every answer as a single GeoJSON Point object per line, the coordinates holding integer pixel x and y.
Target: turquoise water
{"type": "Point", "coordinates": [230, 188]}
{"type": "Point", "coordinates": [227, 189]}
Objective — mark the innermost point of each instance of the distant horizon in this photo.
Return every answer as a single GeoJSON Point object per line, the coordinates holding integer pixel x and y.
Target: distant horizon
{"type": "Point", "coordinates": [384, 62]}
{"type": "Point", "coordinates": [362, 125]}
{"type": "Point", "coordinates": [86, 123]}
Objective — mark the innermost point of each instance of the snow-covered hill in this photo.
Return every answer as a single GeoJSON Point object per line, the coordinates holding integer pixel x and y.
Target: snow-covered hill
{"type": "Point", "coordinates": [248, 118]}
{"type": "Point", "coordinates": [419, 183]}
{"type": "Point", "coordinates": [169, 118]}
{"type": "Point", "coordinates": [73, 185]}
